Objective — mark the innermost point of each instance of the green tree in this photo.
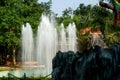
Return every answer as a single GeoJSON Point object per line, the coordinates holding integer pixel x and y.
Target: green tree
{"type": "Point", "coordinates": [68, 12]}
{"type": "Point", "coordinates": [102, 18]}
{"type": "Point", "coordinates": [82, 16]}
{"type": "Point", "coordinates": [67, 16]}
{"type": "Point", "coordinates": [15, 13]}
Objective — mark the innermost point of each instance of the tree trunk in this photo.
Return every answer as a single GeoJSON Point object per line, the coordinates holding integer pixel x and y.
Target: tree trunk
{"type": "Point", "coordinates": [102, 4]}
{"type": "Point", "coordinates": [14, 58]}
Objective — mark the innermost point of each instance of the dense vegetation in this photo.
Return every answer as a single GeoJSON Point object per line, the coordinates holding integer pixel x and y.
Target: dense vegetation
{"type": "Point", "coordinates": [15, 13]}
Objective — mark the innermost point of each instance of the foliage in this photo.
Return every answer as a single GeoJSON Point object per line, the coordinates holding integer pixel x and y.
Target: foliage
{"type": "Point", "coordinates": [112, 38]}
{"type": "Point", "coordinates": [67, 12]}
{"type": "Point", "coordinates": [67, 16]}
{"type": "Point", "coordinates": [83, 42]}
{"type": "Point", "coordinates": [15, 13]}
{"type": "Point", "coordinates": [95, 17]}
{"type": "Point", "coordinates": [102, 18]}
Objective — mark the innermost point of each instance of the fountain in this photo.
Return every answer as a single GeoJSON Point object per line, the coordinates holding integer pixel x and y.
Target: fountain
{"type": "Point", "coordinates": [63, 40]}
{"type": "Point", "coordinates": [27, 44]}
{"type": "Point", "coordinates": [68, 38]}
{"type": "Point", "coordinates": [71, 30]}
{"type": "Point", "coordinates": [46, 43]}
{"type": "Point", "coordinates": [38, 51]}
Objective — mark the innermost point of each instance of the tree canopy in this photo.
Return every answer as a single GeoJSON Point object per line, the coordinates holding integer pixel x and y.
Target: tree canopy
{"type": "Point", "coordinates": [15, 13]}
